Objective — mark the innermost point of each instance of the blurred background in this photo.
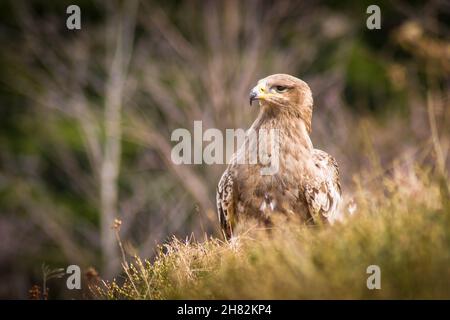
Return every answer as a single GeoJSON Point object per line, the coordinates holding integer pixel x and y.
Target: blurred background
{"type": "Point", "coordinates": [87, 115]}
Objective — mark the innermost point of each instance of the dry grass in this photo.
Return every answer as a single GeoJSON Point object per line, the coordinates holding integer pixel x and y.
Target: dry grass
{"type": "Point", "coordinates": [400, 225]}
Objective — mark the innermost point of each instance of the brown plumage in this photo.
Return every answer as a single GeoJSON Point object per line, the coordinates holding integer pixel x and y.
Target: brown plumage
{"type": "Point", "coordinates": [306, 185]}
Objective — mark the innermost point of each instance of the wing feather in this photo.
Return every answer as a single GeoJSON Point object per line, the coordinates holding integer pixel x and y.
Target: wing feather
{"type": "Point", "coordinates": [225, 203]}
{"type": "Point", "coordinates": [323, 193]}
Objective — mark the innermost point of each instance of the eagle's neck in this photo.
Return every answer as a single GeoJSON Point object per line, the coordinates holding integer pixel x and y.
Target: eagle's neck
{"type": "Point", "coordinates": [292, 128]}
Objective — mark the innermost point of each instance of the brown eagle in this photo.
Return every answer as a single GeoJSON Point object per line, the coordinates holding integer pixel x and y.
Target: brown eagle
{"type": "Point", "coordinates": [304, 187]}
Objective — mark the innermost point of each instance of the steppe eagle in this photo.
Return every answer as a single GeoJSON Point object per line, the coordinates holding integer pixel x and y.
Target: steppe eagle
{"type": "Point", "coordinates": [306, 185]}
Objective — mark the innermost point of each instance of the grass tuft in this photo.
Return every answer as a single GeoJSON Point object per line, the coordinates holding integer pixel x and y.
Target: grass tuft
{"type": "Point", "coordinates": [401, 225]}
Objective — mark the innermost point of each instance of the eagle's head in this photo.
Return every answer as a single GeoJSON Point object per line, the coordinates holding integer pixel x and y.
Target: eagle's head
{"type": "Point", "coordinates": [282, 94]}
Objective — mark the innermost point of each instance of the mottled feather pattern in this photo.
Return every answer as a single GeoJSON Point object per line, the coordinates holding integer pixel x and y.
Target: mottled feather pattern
{"type": "Point", "coordinates": [225, 203]}
{"type": "Point", "coordinates": [323, 194]}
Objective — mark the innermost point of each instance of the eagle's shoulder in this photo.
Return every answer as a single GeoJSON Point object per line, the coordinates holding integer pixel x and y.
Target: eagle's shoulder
{"type": "Point", "coordinates": [323, 191]}
{"type": "Point", "coordinates": [328, 163]}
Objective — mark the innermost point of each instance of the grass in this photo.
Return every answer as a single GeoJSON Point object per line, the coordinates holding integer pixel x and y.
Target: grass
{"type": "Point", "coordinates": [402, 225]}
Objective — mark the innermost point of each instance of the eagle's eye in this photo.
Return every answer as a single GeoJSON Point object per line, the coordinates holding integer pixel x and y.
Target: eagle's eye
{"type": "Point", "coordinates": [281, 89]}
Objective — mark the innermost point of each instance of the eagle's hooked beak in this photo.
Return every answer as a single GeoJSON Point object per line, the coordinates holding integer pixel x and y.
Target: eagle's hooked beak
{"type": "Point", "coordinates": [257, 92]}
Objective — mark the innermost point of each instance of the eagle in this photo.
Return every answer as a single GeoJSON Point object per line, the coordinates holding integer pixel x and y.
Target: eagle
{"type": "Point", "coordinates": [305, 187]}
